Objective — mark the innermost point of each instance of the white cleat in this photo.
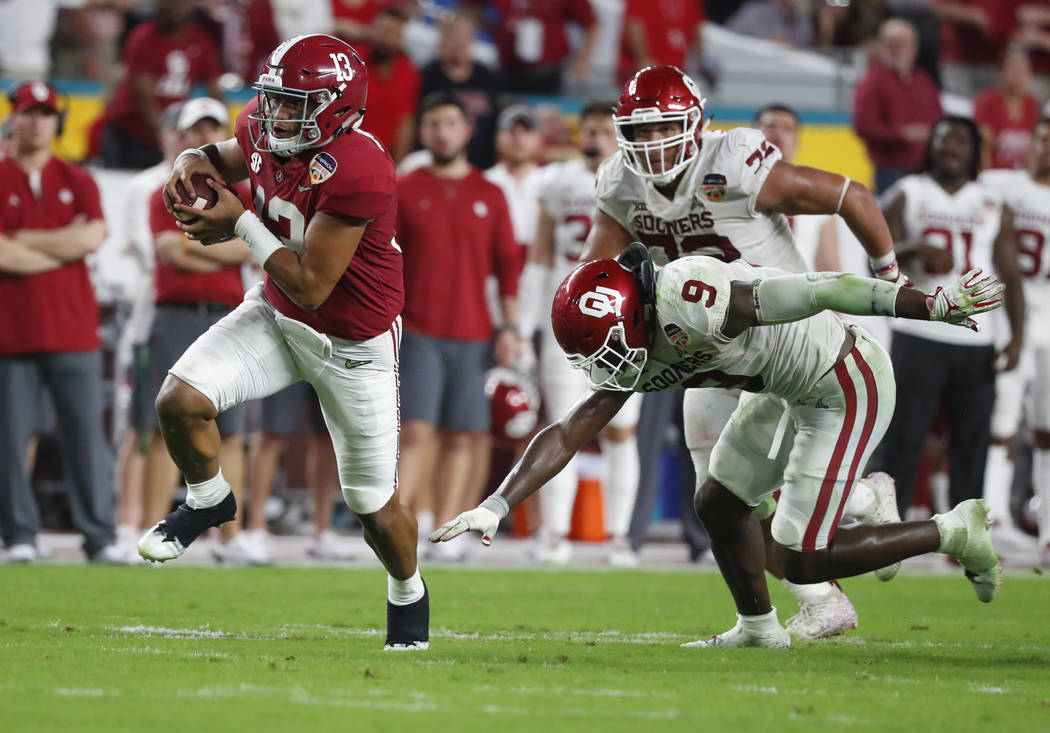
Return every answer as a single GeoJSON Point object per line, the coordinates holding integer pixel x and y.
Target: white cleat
{"type": "Point", "coordinates": [621, 555]}
{"type": "Point", "coordinates": [330, 546]}
{"type": "Point", "coordinates": [965, 536]}
{"type": "Point", "coordinates": [883, 511]}
{"type": "Point", "coordinates": [157, 545]}
{"type": "Point", "coordinates": [415, 646]}
{"type": "Point", "coordinates": [558, 553]}
{"type": "Point", "coordinates": [770, 635]}
{"type": "Point", "coordinates": [241, 551]}
{"type": "Point", "coordinates": [1009, 538]}
{"type": "Point", "coordinates": [23, 553]}
{"type": "Point", "coordinates": [830, 616]}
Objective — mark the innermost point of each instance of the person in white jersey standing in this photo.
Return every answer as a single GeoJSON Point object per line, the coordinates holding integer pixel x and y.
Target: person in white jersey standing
{"type": "Point", "coordinates": [1027, 193]}
{"type": "Point", "coordinates": [566, 210]}
{"type": "Point", "coordinates": [944, 223]}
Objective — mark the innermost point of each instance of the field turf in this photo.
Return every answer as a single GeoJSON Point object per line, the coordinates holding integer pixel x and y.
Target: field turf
{"type": "Point", "coordinates": [299, 649]}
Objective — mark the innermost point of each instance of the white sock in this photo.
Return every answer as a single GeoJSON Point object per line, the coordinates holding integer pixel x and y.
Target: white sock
{"type": "Point", "coordinates": [861, 501]}
{"type": "Point", "coordinates": [557, 499]}
{"type": "Point", "coordinates": [761, 622]}
{"type": "Point", "coordinates": [404, 592]}
{"type": "Point", "coordinates": [207, 493]}
{"type": "Point", "coordinates": [998, 478]}
{"type": "Point", "coordinates": [621, 483]}
{"type": "Point", "coordinates": [1041, 482]}
{"type": "Point", "coordinates": [809, 593]}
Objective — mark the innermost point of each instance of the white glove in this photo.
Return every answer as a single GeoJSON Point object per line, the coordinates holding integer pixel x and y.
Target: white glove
{"type": "Point", "coordinates": [969, 295]}
{"type": "Point", "coordinates": [484, 520]}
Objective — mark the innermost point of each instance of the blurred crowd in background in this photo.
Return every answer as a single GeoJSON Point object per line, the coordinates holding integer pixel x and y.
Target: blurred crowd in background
{"type": "Point", "coordinates": [521, 72]}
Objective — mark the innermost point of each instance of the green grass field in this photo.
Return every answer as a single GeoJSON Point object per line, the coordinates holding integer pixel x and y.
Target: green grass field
{"type": "Point", "coordinates": [296, 649]}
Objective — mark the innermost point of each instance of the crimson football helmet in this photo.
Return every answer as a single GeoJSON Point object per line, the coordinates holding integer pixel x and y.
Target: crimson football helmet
{"type": "Point", "coordinates": [322, 76]}
{"type": "Point", "coordinates": [514, 404]}
{"type": "Point", "coordinates": [659, 94]}
{"type": "Point", "coordinates": [601, 321]}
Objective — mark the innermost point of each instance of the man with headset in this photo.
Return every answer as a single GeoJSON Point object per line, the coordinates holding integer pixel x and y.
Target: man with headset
{"type": "Point", "coordinates": [50, 220]}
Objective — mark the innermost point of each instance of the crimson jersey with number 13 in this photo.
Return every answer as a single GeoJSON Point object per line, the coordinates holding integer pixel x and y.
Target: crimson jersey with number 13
{"type": "Point", "coordinates": [353, 177]}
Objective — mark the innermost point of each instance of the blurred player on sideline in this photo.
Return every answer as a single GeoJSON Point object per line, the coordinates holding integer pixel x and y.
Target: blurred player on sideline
{"type": "Point", "coordinates": [566, 210]}
{"type": "Point", "coordinates": [1027, 193]}
{"type": "Point", "coordinates": [325, 194]}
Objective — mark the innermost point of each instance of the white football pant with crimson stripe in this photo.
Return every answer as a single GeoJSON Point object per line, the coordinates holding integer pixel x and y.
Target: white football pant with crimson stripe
{"type": "Point", "coordinates": [814, 448]}
{"type": "Point", "coordinates": [255, 351]}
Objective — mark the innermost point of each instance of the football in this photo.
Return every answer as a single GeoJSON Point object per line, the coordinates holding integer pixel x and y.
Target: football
{"type": "Point", "coordinates": [205, 199]}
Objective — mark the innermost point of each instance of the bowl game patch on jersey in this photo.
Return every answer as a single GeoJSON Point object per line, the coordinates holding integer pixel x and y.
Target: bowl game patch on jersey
{"type": "Point", "coordinates": [714, 186]}
{"type": "Point", "coordinates": [322, 167]}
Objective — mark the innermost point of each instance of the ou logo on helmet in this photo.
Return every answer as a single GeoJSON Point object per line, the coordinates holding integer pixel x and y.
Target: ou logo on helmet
{"type": "Point", "coordinates": [601, 301]}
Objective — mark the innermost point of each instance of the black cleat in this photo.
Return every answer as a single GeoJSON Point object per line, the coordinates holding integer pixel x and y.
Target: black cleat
{"type": "Point", "coordinates": [408, 627]}
{"type": "Point", "coordinates": [170, 537]}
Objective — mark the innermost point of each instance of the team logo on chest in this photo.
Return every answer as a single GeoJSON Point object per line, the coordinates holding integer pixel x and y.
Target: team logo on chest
{"type": "Point", "coordinates": [714, 186]}
{"type": "Point", "coordinates": [256, 163]}
{"type": "Point", "coordinates": [322, 167]}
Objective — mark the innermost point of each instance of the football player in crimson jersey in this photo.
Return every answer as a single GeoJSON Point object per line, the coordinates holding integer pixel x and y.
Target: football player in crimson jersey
{"type": "Point", "coordinates": [327, 312]}
{"type": "Point", "coordinates": [632, 329]}
{"type": "Point", "coordinates": [681, 190]}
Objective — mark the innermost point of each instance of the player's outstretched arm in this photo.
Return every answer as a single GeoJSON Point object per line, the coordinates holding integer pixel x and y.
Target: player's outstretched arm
{"type": "Point", "coordinates": [798, 189]}
{"type": "Point", "coordinates": [547, 454]}
{"type": "Point", "coordinates": [222, 161]}
{"type": "Point", "coordinates": [785, 298]}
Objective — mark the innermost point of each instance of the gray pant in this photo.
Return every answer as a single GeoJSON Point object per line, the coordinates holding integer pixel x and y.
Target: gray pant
{"type": "Point", "coordinates": [74, 380]}
{"type": "Point", "coordinates": [659, 411]}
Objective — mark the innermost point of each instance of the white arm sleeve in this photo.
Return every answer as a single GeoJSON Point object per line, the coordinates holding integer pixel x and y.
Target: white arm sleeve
{"type": "Point", "coordinates": [795, 297]}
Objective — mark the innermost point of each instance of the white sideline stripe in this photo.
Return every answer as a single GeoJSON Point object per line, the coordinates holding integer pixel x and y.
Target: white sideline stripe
{"type": "Point", "coordinates": [611, 636]}
{"type": "Point", "coordinates": [298, 695]}
{"type": "Point", "coordinates": [445, 633]}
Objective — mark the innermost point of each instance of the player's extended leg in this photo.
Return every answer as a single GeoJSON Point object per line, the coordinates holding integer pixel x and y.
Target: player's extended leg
{"type": "Point", "coordinates": [961, 533]}
{"type": "Point", "coordinates": [187, 422]}
{"type": "Point", "coordinates": [360, 407]}
{"type": "Point", "coordinates": [620, 455]}
{"type": "Point", "coordinates": [244, 356]}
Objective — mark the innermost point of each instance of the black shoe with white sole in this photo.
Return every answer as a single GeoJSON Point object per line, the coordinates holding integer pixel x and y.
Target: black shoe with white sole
{"type": "Point", "coordinates": [408, 627]}
{"type": "Point", "coordinates": [170, 537]}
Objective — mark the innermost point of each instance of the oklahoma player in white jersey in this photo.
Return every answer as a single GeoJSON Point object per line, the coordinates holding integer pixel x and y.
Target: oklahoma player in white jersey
{"type": "Point", "coordinates": [566, 205]}
{"type": "Point", "coordinates": [327, 312]}
{"type": "Point", "coordinates": [699, 321]}
{"type": "Point", "coordinates": [1027, 193]}
{"type": "Point", "coordinates": [944, 223]}
{"type": "Point", "coordinates": [681, 190]}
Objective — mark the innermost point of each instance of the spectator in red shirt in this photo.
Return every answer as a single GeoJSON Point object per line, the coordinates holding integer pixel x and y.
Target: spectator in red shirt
{"type": "Point", "coordinates": [50, 220]}
{"type": "Point", "coordinates": [534, 47]}
{"type": "Point", "coordinates": [895, 105]}
{"type": "Point", "coordinates": [455, 231]}
{"type": "Point", "coordinates": [974, 34]}
{"type": "Point", "coordinates": [1007, 114]}
{"type": "Point", "coordinates": [195, 287]}
{"type": "Point", "coordinates": [393, 86]}
{"type": "Point", "coordinates": [163, 59]}
{"type": "Point", "coordinates": [659, 32]}
{"type": "Point", "coordinates": [353, 19]}
{"type": "Point", "coordinates": [1033, 33]}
